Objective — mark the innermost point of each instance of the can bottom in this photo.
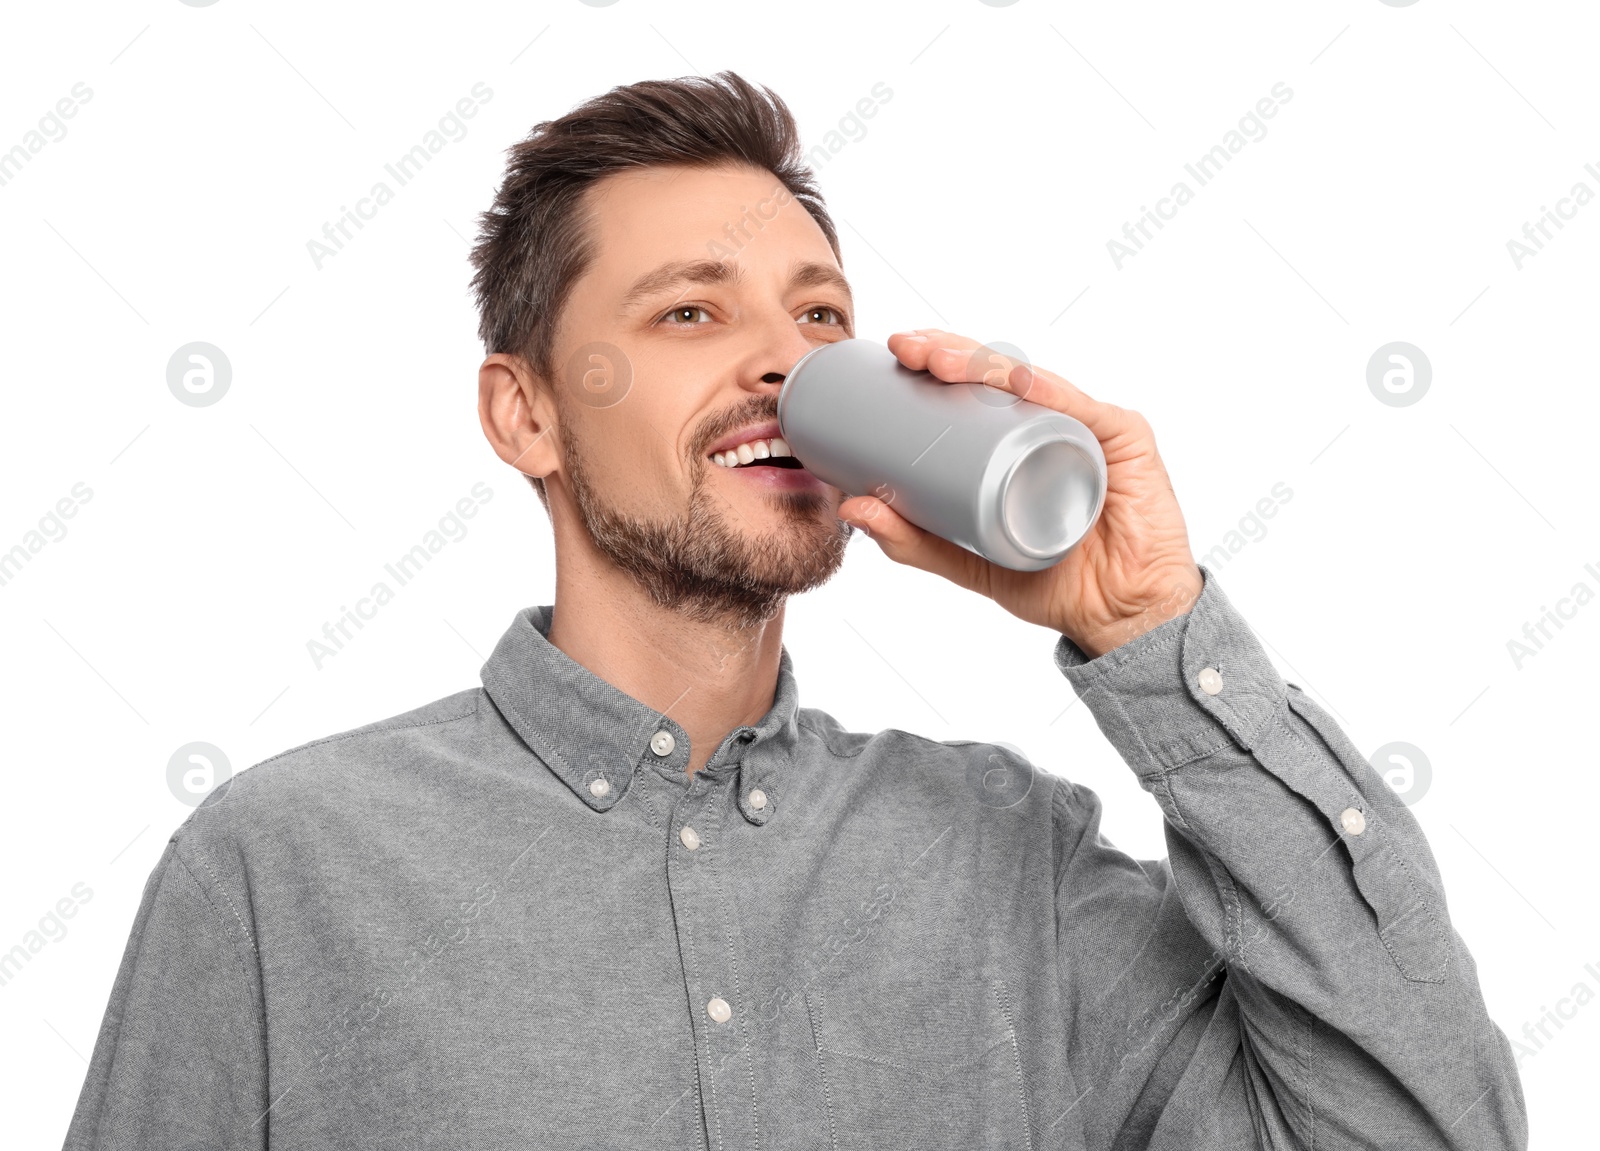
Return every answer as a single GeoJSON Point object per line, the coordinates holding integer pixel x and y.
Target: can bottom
{"type": "Point", "coordinates": [1049, 498]}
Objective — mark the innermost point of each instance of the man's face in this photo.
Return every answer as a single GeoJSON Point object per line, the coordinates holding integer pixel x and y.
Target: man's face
{"type": "Point", "coordinates": [692, 358]}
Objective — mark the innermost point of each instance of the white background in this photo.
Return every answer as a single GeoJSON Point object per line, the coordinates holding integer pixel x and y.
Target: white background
{"type": "Point", "coordinates": [1018, 140]}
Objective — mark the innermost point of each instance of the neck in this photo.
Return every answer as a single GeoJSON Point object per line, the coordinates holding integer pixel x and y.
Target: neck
{"type": "Point", "coordinates": [709, 676]}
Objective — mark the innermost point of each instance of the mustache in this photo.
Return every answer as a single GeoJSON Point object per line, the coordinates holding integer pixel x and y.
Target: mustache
{"type": "Point", "coordinates": [736, 418]}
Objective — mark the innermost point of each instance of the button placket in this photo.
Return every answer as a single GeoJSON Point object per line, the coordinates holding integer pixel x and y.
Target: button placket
{"type": "Point", "coordinates": [667, 751]}
{"type": "Point", "coordinates": [689, 833]}
{"type": "Point", "coordinates": [710, 977]}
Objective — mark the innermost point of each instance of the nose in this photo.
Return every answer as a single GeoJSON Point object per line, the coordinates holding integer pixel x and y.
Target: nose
{"type": "Point", "coordinates": [776, 343]}
{"type": "Point", "coordinates": [780, 360]}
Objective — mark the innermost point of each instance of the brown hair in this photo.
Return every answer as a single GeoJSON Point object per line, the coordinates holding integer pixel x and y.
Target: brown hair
{"type": "Point", "coordinates": [534, 243]}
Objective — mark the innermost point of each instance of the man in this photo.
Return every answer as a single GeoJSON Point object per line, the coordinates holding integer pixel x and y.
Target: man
{"type": "Point", "coordinates": [629, 893]}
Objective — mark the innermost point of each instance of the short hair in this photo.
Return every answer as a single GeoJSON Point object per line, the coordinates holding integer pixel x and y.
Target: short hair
{"type": "Point", "coordinates": [535, 242]}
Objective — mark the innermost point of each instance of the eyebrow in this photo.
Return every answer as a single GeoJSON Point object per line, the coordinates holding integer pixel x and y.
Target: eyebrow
{"type": "Point", "coordinates": [805, 274]}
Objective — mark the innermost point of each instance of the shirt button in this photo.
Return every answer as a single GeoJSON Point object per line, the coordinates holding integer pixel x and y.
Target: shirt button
{"type": "Point", "coordinates": [599, 787]}
{"type": "Point", "coordinates": [719, 1010]}
{"type": "Point", "coordinates": [662, 743]}
{"type": "Point", "coordinates": [690, 839]}
{"type": "Point", "coordinates": [1211, 681]}
{"type": "Point", "coordinates": [1352, 819]}
{"type": "Point", "coordinates": [758, 798]}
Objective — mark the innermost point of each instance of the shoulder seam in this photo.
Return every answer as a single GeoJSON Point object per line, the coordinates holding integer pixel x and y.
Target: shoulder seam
{"type": "Point", "coordinates": [178, 855]}
{"type": "Point", "coordinates": [244, 970]}
{"type": "Point", "coordinates": [1058, 810]}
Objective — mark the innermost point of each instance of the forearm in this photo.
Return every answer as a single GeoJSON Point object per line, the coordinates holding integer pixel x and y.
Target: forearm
{"type": "Point", "coordinates": [1358, 1005]}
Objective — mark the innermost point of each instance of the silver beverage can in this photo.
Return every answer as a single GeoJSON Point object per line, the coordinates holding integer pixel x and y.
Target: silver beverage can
{"type": "Point", "coordinates": [1013, 481]}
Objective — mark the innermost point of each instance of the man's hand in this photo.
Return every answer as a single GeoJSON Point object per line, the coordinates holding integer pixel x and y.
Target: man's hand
{"type": "Point", "coordinates": [1133, 571]}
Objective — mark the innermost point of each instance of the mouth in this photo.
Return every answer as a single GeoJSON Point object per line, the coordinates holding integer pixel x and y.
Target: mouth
{"type": "Point", "coordinates": [771, 452]}
{"type": "Point", "coordinates": [767, 461]}
{"type": "Point", "coordinates": [771, 462]}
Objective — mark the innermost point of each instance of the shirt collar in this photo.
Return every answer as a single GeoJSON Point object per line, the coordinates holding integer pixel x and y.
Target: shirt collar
{"type": "Point", "coordinates": [595, 737]}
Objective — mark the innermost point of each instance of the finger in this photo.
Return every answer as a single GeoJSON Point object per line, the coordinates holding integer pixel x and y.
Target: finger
{"type": "Point", "coordinates": [952, 358]}
{"type": "Point", "coordinates": [970, 362]}
{"type": "Point", "coordinates": [913, 347]}
{"type": "Point", "coordinates": [904, 542]}
{"type": "Point", "coordinates": [1040, 386]}
{"type": "Point", "coordinates": [959, 359]}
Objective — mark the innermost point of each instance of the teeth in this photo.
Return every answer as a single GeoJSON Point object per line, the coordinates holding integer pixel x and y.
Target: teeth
{"type": "Point", "coordinates": [754, 450]}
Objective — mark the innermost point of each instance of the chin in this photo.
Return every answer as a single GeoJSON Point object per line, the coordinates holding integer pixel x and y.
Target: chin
{"type": "Point", "coordinates": [801, 560]}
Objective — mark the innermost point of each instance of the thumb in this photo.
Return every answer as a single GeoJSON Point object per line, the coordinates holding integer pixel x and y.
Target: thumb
{"type": "Point", "coordinates": [906, 543]}
{"type": "Point", "coordinates": [870, 515]}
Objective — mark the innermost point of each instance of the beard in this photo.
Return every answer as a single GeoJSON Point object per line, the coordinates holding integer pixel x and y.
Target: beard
{"type": "Point", "coordinates": [700, 563]}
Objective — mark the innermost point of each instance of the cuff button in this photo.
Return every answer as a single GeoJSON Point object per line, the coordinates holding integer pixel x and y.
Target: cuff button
{"type": "Point", "coordinates": [1353, 821]}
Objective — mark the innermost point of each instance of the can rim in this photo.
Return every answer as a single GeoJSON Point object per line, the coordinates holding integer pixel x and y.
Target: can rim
{"type": "Point", "coordinates": [783, 392]}
{"type": "Point", "coordinates": [1077, 533]}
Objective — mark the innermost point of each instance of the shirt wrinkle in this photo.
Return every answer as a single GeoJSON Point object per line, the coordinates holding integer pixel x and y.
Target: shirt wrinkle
{"type": "Point", "coordinates": [495, 925]}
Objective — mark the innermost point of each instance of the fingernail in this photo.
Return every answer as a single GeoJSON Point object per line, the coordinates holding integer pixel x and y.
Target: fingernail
{"type": "Point", "coordinates": [912, 337]}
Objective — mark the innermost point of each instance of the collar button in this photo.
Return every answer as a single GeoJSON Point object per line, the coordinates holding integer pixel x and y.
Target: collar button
{"type": "Point", "coordinates": [662, 743]}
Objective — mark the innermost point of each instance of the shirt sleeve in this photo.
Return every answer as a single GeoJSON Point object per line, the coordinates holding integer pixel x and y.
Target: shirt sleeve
{"type": "Point", "coordinates": [1288, 977]}
{"type": "Point", "coordinates": [180, 1058]}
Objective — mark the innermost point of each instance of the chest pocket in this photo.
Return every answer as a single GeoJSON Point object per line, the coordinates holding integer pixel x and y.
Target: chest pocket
{"type": "Point", "coordinates": [926, 1062]}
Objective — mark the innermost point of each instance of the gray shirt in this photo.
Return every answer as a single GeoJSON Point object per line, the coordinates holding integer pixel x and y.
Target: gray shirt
{"type": "Point", "coordinates": [509, 919]}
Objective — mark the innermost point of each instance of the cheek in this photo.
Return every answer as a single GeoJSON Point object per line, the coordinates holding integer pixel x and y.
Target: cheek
{"type": "Point", "coordinates": [636, 465]}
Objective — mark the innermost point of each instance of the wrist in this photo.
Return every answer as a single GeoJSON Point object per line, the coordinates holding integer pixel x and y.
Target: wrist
{"type": "Point", "coordinates": [1178, 601]}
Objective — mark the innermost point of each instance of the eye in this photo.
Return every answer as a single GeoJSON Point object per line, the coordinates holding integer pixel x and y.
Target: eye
{"type": "Point", "coordinates": [838, 316]}
{"type": "Point", "coordinates": [681, 310]}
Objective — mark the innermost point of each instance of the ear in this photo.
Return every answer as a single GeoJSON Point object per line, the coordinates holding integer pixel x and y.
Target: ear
{"type": "Point", "coordinates": [517, 414]}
